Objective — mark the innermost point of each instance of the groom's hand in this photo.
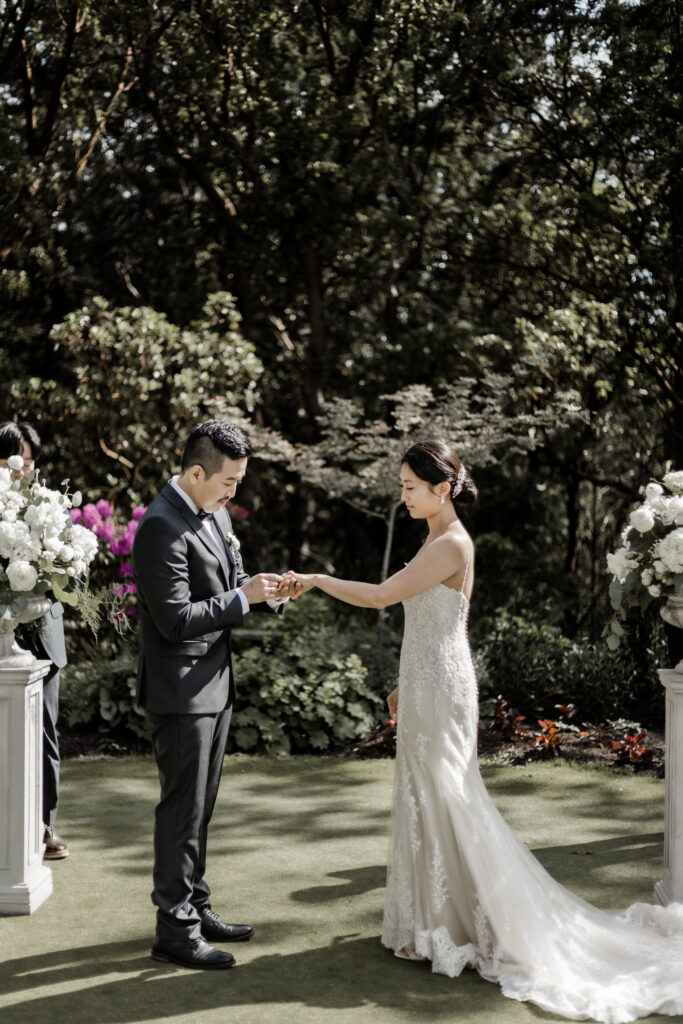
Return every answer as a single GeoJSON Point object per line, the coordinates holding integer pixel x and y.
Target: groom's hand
{"type": "Point", "coordinates": [262, 587]}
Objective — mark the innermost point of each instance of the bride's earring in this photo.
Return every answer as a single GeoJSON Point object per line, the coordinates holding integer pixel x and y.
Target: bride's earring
{"type": "Point", "coordinates": [443, 499]}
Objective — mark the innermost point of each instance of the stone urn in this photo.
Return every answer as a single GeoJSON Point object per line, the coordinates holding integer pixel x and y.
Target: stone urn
{"type": "Point", "coordinates": [672, 614]}
{"type": "Point", "coordinates": [11, 654]}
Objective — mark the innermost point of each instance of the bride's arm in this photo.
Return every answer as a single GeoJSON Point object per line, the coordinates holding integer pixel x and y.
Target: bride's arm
{"type": "Point", "coordinates": [435, 563]}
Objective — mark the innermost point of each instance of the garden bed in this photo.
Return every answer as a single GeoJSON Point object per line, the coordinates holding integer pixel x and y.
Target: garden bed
{"type": "Point", "coordinates": [504, 736]}
{"type": "Point", "coordinates": [507, 737]}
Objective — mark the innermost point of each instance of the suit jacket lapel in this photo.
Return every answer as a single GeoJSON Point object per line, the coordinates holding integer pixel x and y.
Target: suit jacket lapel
{"type": "Point", "coordinates": [207, 535]}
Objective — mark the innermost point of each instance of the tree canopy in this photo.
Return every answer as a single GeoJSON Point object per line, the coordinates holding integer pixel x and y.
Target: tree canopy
{"type": "Point", "coordinates": [383, 194]}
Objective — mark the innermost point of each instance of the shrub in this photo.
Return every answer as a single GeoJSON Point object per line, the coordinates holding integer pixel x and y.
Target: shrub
{"type": "Point", "coordinates": [535, 667]}
{"type": "Point", "coordinates": [305, 688]}
{"type": "Point", "coordinates": [310, 684]}
{"type": "Point", "coordinates": [100, 691]}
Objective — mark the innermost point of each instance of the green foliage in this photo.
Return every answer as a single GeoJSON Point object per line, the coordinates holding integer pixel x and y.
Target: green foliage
{"type": "Point", "coordinates": [397, 194]}
{"type": "Point", "coordinates": [100, 692]}
{"type": "Point", "coordinates": [305, 689]}
{"type": "Point", "coordinates": [535, 667]}
{"type": "Point", "coordinates": [311, 685]}
{"type": "Point", "coordinates": [134, 385]}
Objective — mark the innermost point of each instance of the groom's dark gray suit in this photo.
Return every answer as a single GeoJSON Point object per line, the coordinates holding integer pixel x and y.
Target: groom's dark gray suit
{"type": "Point", "coordinates": [187, 578]}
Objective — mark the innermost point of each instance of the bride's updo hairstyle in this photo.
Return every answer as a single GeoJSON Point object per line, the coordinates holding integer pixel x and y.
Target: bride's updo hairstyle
{"type": "Point", "coordinates": [434, 462]}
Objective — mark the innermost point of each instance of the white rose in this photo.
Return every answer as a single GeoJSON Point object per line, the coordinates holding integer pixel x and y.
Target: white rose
{"type": "Point", "coordinates": [669, 551]}
{"type": "Point", "coordinates": [655, 590]}
{"type": "Point", "coordinates": [5, 478]}
{"type": "Point", "coordinates": [14, 499]}
{"type": "Point", "coordinates": [84, 542]}
{"type": "Point", "coordinates": [15, 463]}
{"type": "Point", "coordinates": [66, 552]}
{"type": "Point", "coordinates": [668, 508]}
{"type": "Point", "coordinates": [642, 519]}
{"type": "Point", "coordinates": [21, 575]}
{"type": "Point", "coordinates": [13, 537]}
{"type": "Point", "coordinates": [674, 481]}
{"type": "Point", "coordinates": [653, 491]}
{"type": "Point", "coordinates": [659, 568]}
{"type": "Point", "coordinates": [10, 515]}
{"type": "Point", "coordinates": [56, 518]}
{"type": "Point", "coordinates": [646, 577]}
{"type": "Point", "coordinates": [35, 515]}
{"type": "Point", "coordinates": [620, 564]}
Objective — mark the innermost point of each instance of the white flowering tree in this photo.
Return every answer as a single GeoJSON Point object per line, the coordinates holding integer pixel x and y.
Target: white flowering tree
{"type": "Point", "coordinates": [357, 460]}
{"type": "Point", "coordinates": [649, 564]}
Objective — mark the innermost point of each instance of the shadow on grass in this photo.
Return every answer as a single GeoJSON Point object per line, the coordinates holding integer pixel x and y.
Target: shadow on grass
{"type": "Point", "coordinates": [117, 983]}
{"type": "Point", "coordinates": [358, 880]}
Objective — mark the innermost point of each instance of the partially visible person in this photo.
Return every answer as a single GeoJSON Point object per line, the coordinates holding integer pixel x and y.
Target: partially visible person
{"type": "Point", "coordinates": [46, 643]}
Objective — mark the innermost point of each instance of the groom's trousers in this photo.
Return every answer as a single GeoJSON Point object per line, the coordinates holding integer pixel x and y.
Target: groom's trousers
{"type": "Point", "coordinates": [189, 751]}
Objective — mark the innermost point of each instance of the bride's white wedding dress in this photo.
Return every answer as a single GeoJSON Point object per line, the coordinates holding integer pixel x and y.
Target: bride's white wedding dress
{"type": "Point", "coordinates": [463, 891]}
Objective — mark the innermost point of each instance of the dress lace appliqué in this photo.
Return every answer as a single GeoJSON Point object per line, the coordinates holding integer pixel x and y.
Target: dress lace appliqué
{"type": "Point", "coordinates": [464, 891]}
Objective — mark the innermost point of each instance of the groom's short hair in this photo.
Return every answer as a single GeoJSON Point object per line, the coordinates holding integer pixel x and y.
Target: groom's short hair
{"type": "Point", "coordinates": [213, 441]}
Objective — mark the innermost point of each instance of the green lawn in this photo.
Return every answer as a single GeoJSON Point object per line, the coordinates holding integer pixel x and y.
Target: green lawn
{"type": "Point", "coordinates": [298, 849]}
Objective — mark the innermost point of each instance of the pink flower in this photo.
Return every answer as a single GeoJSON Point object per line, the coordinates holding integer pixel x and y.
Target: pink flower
{"type": "Point", "coordinates": [104, 508]}
{"type": "Point", "coordinates": [138, 513]}
{"type": "Point", "coordinates": [91, 517]}
{"type": "Point", "coordinates": [125, 569]}
{"type": "Point", "coordinates": [76, 515]}
{"type": "Point", "coordinates": [121, 589]}
{"type": "Point", "coordinates": [122, 546]}
{"type": "Point", "coordinates": [237, 512]}
{"type": "Point", "coordinates": [104, 530]}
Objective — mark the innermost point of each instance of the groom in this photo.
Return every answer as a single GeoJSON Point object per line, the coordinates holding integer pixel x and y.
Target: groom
{"type": "Point", "coordinates": [192, 591]}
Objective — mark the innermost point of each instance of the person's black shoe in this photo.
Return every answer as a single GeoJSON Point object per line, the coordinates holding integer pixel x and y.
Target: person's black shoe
{"type": "Point", "coordinates": [216, 930]}
{"type": "Point", "coordinates": [193, 953]}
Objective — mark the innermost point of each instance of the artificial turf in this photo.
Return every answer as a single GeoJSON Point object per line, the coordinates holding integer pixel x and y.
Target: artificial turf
{"type": "Point", "coordinates": [297, 848]}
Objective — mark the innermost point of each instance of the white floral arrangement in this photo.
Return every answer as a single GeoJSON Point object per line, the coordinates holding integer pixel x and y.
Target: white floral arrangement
{"type": "Point", "coordinates": [649, 564]}
{"type": "Point", "coordinates": [40, 548]}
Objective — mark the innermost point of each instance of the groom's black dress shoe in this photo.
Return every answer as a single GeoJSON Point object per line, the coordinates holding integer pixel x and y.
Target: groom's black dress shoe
{"type": "Point", "coordinates": [216, 930]}
{"type": "Point", "coordinates": [193, 953]}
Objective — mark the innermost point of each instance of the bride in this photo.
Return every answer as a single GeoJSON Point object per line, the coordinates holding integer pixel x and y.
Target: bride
{"type": "Point", "coordinates": [462, 889]}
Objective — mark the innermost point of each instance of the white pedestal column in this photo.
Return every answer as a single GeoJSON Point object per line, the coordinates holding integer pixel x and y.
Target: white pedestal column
{"type": "Point", "coordinates": [25, 882]}
{"type": "Point", "coordinates": [671, 886]}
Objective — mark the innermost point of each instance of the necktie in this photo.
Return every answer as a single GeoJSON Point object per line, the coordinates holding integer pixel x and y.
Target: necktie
{"type": "Point", "coordinates": [204, 515]}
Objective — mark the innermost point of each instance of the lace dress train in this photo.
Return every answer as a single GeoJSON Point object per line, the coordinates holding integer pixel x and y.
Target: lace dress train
{"type": "Point", "coordinates": [464, 891]}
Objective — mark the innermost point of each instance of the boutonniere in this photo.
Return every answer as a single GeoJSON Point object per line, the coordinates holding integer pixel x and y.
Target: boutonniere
{"type": "Point", "coordinates": [232, 542]}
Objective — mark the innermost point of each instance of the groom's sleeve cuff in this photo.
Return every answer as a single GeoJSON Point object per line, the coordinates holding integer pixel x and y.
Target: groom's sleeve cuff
{"type": "Point", "coordinates": [244, 600]}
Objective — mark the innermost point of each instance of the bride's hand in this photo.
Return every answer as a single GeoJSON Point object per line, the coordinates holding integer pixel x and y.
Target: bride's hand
{"type": "Point", "coordinates": [392, 703]}
{"type": "Point", "coordinates": [294, 584]}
